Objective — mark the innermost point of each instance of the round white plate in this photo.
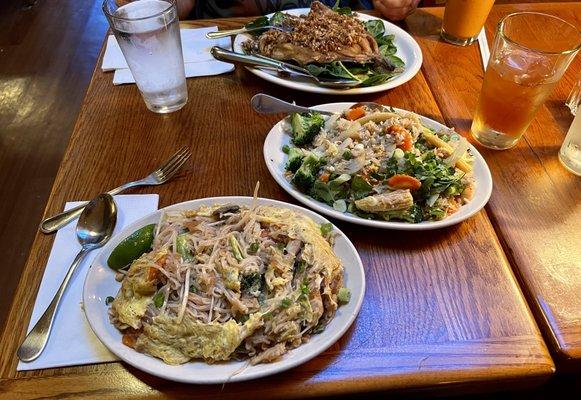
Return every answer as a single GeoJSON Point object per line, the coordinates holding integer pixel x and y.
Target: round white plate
{"type": "Point", "coordinates": [100, 283]}
{"type": "Point", "coordinates": [407, 49]}
{"type": "Point", "coordinates": [276, 161]}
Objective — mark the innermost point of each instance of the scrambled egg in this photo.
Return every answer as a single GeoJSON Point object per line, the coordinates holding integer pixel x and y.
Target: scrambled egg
{"type": "Point", "coordinates": [178, 342]}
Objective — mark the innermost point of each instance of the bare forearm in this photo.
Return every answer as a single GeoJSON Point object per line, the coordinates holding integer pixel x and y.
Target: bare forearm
{"type": "Point", "coordinates": [185, 8]}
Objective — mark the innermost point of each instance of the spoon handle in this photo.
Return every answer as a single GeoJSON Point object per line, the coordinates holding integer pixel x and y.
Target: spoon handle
{"type": "Point", "coordinates": [231, 32]}
{"type": "Point", "coordinates": [37, 338]}
{"type": "Point", "coordinates": [265, 104]}
{"type": "Point", "coordinates": [233, 57]}
{"type": "Point", "coordinates": [56, 222]}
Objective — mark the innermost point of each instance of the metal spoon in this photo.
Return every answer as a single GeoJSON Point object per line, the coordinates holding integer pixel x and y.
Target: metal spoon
{"type": "Point", "coordinates": [281, 67]}
{"type": "Point", "coordinates": [94, 229]}
{"type": "Point", "coordinates": [265, 104]}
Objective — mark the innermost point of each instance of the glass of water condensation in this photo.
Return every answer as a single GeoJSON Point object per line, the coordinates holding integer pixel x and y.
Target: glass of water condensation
{"type": "Point", "coordinates": [570, 153]}
{"type": "Point", "coordinates": [148, 33]}
{"type": "Point", "coordinates": [531, 51]}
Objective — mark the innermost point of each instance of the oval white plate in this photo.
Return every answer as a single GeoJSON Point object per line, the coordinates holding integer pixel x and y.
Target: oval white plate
{"type": "Point", "coordinates": [100, 283]}
{"type": "Point", "coordinates": [407, 49]}
{"type": "Point", "coordinates": [276, 160]}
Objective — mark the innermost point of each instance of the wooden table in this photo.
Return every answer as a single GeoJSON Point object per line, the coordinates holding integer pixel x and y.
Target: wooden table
{"type": "Point", "coordinates": [535, 206]}
{"type": "Point", "coordinates": [443, 310]}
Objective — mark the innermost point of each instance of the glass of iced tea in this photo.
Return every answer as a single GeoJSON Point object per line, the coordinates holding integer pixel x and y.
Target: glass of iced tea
{"type": "Point", "coordinates": [463, 20]}
{"type": "Point", "coordinates": [531, 51]}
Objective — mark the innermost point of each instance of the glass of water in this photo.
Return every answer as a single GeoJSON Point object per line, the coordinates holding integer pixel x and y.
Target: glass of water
{"type": "Point", "coordinates": [148, 33]}
{"type": "Point", "coordinates": [570, 153]}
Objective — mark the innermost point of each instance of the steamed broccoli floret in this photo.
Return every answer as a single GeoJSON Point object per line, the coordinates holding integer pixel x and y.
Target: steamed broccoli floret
{"type": "Point", "coordinates": [295, 159]}
{"type": "Point", "coordinates": [305, 126]}
{"type": "Point", "coordinates": [307, 173]}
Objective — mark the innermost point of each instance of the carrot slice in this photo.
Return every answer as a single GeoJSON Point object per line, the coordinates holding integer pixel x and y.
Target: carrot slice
{"type": "Point", "coordinates": [355, 113]}
{"type": "Point", "coordinates": [402, 181]}
{"type": "Point", "coordinates": [407, 143]}
{"type": "Point", "coordinates": [324, 177]}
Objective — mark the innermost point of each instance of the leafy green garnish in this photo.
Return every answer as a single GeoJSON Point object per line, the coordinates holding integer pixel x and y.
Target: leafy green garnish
{"type": "Point", "coordinates": [395, 61]}
{"type": "Point", "coordinates": [242, 318]}
{"type": "Point", "coordinates": [276, 20]}
{"type": "Point", "coordinates": [253, 248]}
{"type": "Point", "coordinates": [359, 187]}
{"type": "Point", "coordinates": [258, 23]}
{"type": "Point", "coordinates": [341, 10]}
{"type": "Point", "coordinates": [158, 299]}
{"type": "Point", "coordinates": [285, 149]}
{"type": "Point", "coordinates": [267, 316]}
{"type": "Point", "coordinates": [413, 215]}
{"type": "Point", "coordinates": [319, 328]}
{"type": "Point", "coordinates": [377, 79]}
{"type": "Point", "coordinates": [335, 69]}
{"type": "Point", "coordinates": [251, 284]}
{"type": "Point", "coordinates": [299, 267]}
{"type": "Point", "coordinates": [375, 28]}
{"type": "Point", "coordinates": [347, 155]}
{"type": "Point", "coordinates": [436, 177]}
{"type": "Point", "coordinates": [285, 303]}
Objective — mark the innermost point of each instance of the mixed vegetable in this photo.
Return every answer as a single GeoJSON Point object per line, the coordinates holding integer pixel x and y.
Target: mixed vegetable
{"type": "Point", "coordinates": [379, 164]}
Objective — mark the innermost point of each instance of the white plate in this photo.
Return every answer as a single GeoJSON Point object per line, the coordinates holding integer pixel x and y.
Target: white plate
{"type": "Point", "coordinates": [276, 161]}
{"type": "Point", "coordinates": [407, 49]}
{"type": "Point", "coordinates": [100, 283]}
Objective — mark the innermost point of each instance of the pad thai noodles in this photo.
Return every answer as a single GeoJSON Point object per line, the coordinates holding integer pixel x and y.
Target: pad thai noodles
{"type": "Point", "coordinates": [229, 282]}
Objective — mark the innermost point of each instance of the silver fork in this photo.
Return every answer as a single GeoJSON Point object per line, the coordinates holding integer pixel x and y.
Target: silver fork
{"type": "Point", "coordinates": [161, 175]}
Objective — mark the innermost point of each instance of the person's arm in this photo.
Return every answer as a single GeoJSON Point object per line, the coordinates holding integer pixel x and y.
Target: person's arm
{"type": "Point", "coordinates": [395, 10]}
{"type": "Point", "coordinates": [185, 8]}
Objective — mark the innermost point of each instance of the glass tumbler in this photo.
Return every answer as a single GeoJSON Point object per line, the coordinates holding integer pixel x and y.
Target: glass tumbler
{"type": "Point", "coordinates": [148, 34]}
{"type": "Point", "coordinates": [463, 20]}
{"type": "Point", "coordinates": [570, 152]}
{"type": "Point", "coordinates": [531, 51]}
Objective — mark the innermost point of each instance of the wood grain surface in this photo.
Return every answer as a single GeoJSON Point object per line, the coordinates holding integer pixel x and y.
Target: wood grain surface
{"type": "Point", "coordinates": [535, 205]}
{"type": "Point", "coordinates": [442, 310]}
{"type": "Point", "coordinates": [48, 50]}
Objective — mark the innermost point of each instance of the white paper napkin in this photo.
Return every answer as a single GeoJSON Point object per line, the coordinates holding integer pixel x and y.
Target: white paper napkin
{"type": "Point", "coordinates": [72, 341]}
{"type": "Point", "coordinates": [484, 50]}
{"type": "Point", "coordinates": [196, 51]}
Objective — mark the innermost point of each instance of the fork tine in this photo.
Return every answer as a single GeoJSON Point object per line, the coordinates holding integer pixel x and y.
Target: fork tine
{"type": "Point", "coordinates": [167, 174]}
{"type": "Point", "coordinates": [170, 160]}
{"type": "Point", "coordinates": [169, 165]}
{"type": "Point", "coordinates": [178, 161]}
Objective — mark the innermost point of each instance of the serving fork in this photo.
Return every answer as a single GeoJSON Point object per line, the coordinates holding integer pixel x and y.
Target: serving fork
{"type": "Point", "coordinates": [281, 67]}
{"type": "Point", "coordinates": [159, 176]}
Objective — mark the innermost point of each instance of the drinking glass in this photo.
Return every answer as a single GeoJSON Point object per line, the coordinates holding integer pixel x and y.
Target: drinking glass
{"type": "Point", "coordinates": [148, 34]}
{"type": "Point", "coordinates": [463, 20]}
{"type": "Point", "coordinates": [570, 152]}
{"type": "Point", "coordinates": [531, 51]}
